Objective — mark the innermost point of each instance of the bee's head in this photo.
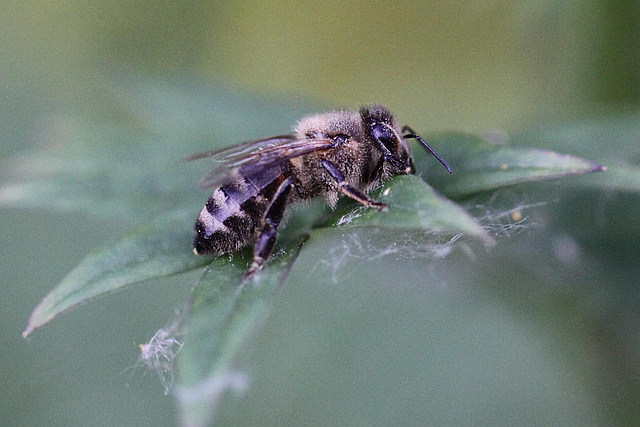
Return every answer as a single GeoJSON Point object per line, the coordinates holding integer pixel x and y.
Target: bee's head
{"type": "Point", "coordinates": [384, 133]}
{"type": "Point", "coordinates": [391, 141]}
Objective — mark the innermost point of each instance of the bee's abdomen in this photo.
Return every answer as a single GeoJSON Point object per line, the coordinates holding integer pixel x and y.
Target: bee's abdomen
{"type": "Point", "coordinates": [229, 219]}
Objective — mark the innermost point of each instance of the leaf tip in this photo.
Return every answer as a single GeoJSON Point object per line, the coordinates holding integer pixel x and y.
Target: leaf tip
{"type": "Point", "coordinates": [40, 316]}
{"type": "Point", "coordinates": [27, 331]}
{"type": "Point", "coordinates": [595, 167]}
{"type": "Point", "coordinates": [33, 323]}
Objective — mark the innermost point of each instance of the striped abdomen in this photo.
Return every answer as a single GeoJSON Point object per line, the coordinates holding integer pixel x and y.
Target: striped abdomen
{"type": "Point", "coordinates": [233, 213]}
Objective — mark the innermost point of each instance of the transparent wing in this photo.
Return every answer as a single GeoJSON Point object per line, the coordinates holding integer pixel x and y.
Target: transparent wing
{"type": "Point", "coordinates": [237, 151]}
{"type": "Point", "coordinates": [255, 157]}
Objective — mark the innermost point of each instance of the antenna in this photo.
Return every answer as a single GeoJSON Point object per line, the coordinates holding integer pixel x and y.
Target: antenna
{"type": "Point", "coordinates": [413, 135]}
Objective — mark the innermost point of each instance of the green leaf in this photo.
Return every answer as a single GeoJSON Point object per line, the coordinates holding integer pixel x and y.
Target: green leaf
{"type": "Point", "coordinates": [607, 136]}
{"type": "Point", "coordinates": [619, 177]}
{"type": "Point", "coordinates": [224, 310]}
{"type": "Point", "coordinates": [159, 248]}
{"type": "Point", "coordinates": [480, 166]}
{"type": "Point", "coordinates": [613, 138]}
{"type": "Point", "coordinates": [413, 204]}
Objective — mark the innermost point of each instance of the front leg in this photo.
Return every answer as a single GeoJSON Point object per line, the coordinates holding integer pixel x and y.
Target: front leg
{"type": "Point", "coordinates": [350, 191]}
{"type": "Point", "coordinates": [270, 222]}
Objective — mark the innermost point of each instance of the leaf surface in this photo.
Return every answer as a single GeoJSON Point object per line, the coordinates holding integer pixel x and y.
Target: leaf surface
{"type": "Point", "coordinates": [225, 309]}
{"type": "Point", "coordinates": [157, 249]}
{"type": "Point", "coordinates": [480, 166]}
{"type": "Point", "coordinates": [413, 204]}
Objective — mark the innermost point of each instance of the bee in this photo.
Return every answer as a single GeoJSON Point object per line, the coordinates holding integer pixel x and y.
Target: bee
{"type": "Point", "coordinates": [332, 154]}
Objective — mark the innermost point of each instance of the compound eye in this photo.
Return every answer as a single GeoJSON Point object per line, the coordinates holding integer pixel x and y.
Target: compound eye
{"type": "Point", "coordinates": [384, 135]}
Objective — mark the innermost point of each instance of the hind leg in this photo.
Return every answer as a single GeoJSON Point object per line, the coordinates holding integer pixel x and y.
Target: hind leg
{"type": "Point", "coordinates": [269, 228]}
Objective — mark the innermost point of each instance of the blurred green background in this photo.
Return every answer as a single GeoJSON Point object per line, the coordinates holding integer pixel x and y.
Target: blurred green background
{"type": "Point", "coordinates": [523, 333]}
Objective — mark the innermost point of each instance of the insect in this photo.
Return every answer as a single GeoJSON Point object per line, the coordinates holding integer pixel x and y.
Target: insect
{"type": "Point", "coordinates": [329, 155]}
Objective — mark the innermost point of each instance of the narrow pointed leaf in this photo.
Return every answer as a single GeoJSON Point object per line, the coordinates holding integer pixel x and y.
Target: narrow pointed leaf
{"type": "Point", "coordinates": [159, 248]}
{"type": "Point", "coordinates": [610, 137]}
{"type": "Point", "coordinates": [480, 166]}
{"type": "Point", "coordinates": [413, 204]}
{"type": "Point", "coordinates": [619, 177]}
{"type": "Point", "coordinates": [224, 310]}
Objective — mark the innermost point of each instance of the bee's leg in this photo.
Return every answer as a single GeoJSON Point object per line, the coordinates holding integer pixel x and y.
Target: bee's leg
{"type": "Point", "coordinates": [272, 217]}
{"type": "Point", "coordinates": [350, 191]}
